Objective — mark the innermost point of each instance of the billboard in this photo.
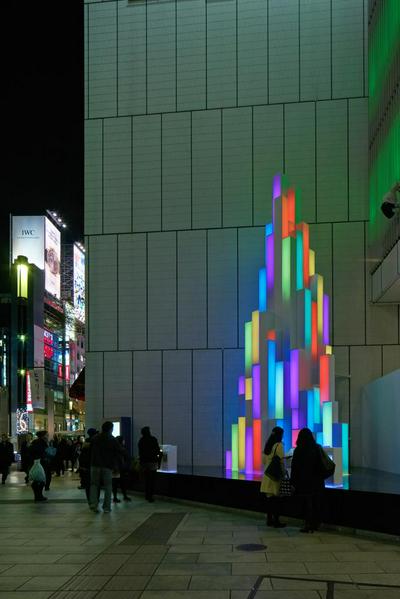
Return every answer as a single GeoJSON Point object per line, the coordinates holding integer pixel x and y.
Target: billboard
{"type": "Point", "coordinates": [37, 388]}
{"type": "Point", "coordinates": [52, 259]}
{"type": "Point", "coordinates": [79, 283]}
{"type": "Point", "coordinates": [27, 239]}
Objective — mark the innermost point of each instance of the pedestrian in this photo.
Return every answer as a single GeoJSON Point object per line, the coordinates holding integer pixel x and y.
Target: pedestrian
{"type": "Point", "coordinates": [60, 457]}
{"type": "Point", "coordinates": [6, 457]}
{"type": "Point", "coordinates": [84, 462]}
{"type": "Point", "coordinates": [105, 452]}
{"type": "Point", "coordinates": [149, 456]}
{"type": "Point", "coordinates": [37, 476]}
{"type": "Point", "coordinates": [26, 460]}
{"type": "Point", "coordinates": [38, 450]}
{"type": "Point", "coordinates": [121, 474]}
{"type": "Point", "coordinates": [307, 478]}
{"type": "Point", "coordinates": [273, 450]}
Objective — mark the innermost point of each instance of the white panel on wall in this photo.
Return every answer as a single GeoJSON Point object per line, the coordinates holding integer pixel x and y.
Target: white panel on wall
{"type": "Point", "coordinates": [348, 281]}
{"type": "Point", "coordinates": [267, 157]}
{"type": "Point", "coordinates": [177, 403]}
{"type": "Point", "coordinates": [102, 34]}
{"type": "Point", "coordinates": [132, 57]}
{"type": "Point", "coordinates": [347, 48]}
{"type": "Point", "coordinates": [207, 408]}
{"type": "Point", "coordinates": [315, 49]}
{"type": "Point", "coordinates": [332, 172]}
{"type": "Point", "coordinates": [117, 175]}
{"type": "Point", "coordinates": [222, 288]}
{"type": "Point", "coordinates": [147, 173]}
{"type": "Point", "coordinates": [252, 52]}
{"type": "Point", "coordinates": [132, 283]}
{"type": "Point", "coordinates": [251, 258]}
{"type": "Point", "coordinates": [283, 29]}
{"type": "Point", "coordinates": [162, 284]}
{"type": "Point", "coordinates": [321, 243]}
{"type": "Point", "coordinates": [358, 159]}
{"type": "Point", "coordinates": [191, 55]}
{"type": "Point", "coordinates": [147, 395]}
{"type": "Point", "coordinates": [365, 366]}
{"type": "Point", "coordinates": [233, 361]}
{"type": "Point", "coordinates": [206, 168]}
{"type": "Point", "coordinates": [237, 167]}
{"type": "Point", "coordinates": [192, 289]}
{"type": "Point", "coordinates": [161, 56]}
{"type": "Point", "coordinates": [102, 288]}
{"type": "Point", "coordinates": [94, 389]}
{"type": "Point", "coordinates": [391, 358]}
{"type": "Point", "coordinates": [300, 154]}
{"type": "Point", "coordinates": [118, 384]}
{"type": "Point", "coordinates": [93, 177]}
{"type": "Point", "coordinates": [221, 54]}
{"type": "Point", "coordinates": [176, 171]}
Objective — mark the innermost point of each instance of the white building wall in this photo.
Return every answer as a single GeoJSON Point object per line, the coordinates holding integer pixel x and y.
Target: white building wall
{"type": "Point", "coordinates": [191, 107]}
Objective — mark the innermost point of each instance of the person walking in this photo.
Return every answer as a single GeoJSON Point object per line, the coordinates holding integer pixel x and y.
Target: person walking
{"type": "Point", "coordinates": [38, 450]}
{"type": "Point", "coordinates": [121, 475]}
{"type": "Point", "coordinates": [149, 456]}
{"type": "Point", "coordinates": [105, 452]}
{"type": "Point", "coordinates": [84, 462]}
{"type": "Point", "coordinates": [26, 460]}
{"type": "Point", "coordinates": [6, 457]}
{"type": "Point", "coordinates": [307, 478]}
{"type": "Point", "coordinates": [37, 476]}
{"type": "Point", "coordinates": [273, 450]}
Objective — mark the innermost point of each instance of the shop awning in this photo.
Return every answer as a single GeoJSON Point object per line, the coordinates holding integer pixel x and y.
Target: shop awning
{"type": "Point", "coordinates": [77, 389]}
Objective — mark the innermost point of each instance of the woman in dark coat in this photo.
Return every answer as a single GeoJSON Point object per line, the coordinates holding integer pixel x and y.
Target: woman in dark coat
{"type": "Point", "coordinates": [307, 478]}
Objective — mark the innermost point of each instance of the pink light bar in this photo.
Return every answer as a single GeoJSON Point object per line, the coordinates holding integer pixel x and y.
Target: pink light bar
{"type": "Point", "coordinates": [249, 449]}
{"type": "Point", "coordinates": [228, 460]}
{"type": "Point", "coordinates": [256, 392]}
{"type": "Point", "coordinates": [294, 378]}
{"type": "Point", "coordinates": [325, 331]}
{"type": "Point", "coordinates": [276, 186]}
{"type": "Point", "coordinates": [269, 258]}
{"type": "Point", "coordinates": [241, 385]}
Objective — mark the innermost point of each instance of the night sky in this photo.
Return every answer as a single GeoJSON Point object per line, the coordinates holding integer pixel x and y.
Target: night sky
{"type": "Point", "coordinates": [42, 108]}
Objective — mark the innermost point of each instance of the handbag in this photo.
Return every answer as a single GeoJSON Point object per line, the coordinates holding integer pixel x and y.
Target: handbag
{"type": "Point", "coordinates": [285, 487]}
{"type": "Point", "coordinates": [327, 466]}
{"type": "Point", "coordinates": [274, 468]}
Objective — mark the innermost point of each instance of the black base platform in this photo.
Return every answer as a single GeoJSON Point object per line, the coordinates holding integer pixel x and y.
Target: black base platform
{"type": "Point", "coordinates": [352, 508]}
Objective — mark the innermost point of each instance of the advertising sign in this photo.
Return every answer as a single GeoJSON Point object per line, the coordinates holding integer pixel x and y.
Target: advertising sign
{"type": "Point", "coordinates": [52, 259]}
{"type": "Point", "coordinates": [27, 239]}
{"type": "Point", "coordinates": [79, 284]}
{"type": "Point", "coordinates": [38, 350]}
{"type": "Point", "coordinates": [37, 388]}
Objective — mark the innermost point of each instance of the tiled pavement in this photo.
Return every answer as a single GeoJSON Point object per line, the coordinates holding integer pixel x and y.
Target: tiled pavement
{"type": "Point", "coordinates": [61, 550]}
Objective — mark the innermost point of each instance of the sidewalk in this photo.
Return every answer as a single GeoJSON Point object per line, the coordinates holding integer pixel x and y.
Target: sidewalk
{"type": "Point", "coordinates": [61, 550]}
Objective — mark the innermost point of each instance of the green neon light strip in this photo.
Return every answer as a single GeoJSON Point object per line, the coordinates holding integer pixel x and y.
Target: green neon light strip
{"type": "Point", "coordinates": [286, 268]}
{"type": "Point", "coordinates": [235, 448]}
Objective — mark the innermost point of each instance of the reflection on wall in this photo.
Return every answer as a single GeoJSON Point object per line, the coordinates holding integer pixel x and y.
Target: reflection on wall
{"type": "Point", "coordinates": [289, 378]}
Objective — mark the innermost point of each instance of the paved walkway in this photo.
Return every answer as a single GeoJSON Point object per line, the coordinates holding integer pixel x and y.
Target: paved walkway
{"type": "Point", "coordinates": [61, 550]}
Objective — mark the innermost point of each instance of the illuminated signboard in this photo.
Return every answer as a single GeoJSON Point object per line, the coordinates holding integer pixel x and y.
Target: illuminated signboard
{"type": "Point", "coordinates": [27, 239]}
{"type": "Point", "coordinates": [29, 407]}
{"type": "Point", "coordinates": [52, 259]}
{"type": "Point", "coordinates": [79, 284]}
{"type": "Point", "coordinates": [48, 344]}
{"type": "Point", "coordinates": [22, 419]}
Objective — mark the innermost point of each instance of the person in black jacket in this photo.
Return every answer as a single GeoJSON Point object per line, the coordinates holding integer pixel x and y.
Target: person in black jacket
{"type": "Point", "coordinates": [26, 460]}
{"type": "Point", "coordinates": [105, 452]}
{"type": "Point", "coordinates": [6, 457]}
{"type": "Point", "coordinates": [149, 456]}
{"type": "Point", "coordinates": [121, 473]}
{"type": "Point", "coordinates": [38, 451]}
{"type": "Point", "coordinates": [84, 462]}
{"type": "Point", "coordinates": [307, 478]}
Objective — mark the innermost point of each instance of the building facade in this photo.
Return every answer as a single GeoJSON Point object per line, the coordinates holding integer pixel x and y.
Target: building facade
{"type": "Point", "coordinates": [191, 107]}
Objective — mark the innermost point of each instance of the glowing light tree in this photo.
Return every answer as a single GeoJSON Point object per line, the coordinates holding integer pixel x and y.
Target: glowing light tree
{"type": "Point", "coordinates": [289, 377]}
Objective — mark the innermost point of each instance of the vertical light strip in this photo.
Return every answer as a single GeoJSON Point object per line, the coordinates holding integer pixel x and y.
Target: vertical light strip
{"type": "Point", "coordinates": [314, 330]}
{"type": "Point", "coordinates": [256, 392]}
{"type": "Point", "coordinates": [276, 186]}
{"type": "Point", "coordinates": [294, 378]}
{"type": "Point", "coordinates": [257, 444]}
{"type": "Point", "coordinates": [249, 449]}
{"type": "Point", "coordinates": [269, 244]}
{"type": "Point", "coordinates": [271, 378]}
{"type": "Point", "coordinates": [327, 424]}
{"type": "Point", "coordinates": [255, 334]}
{"type": "Point", "coordinates": [291, 211]}
{"type": "Point", "coordinates": [345, 448]}
{"type": "Point", "coordinates": [299, 260]}
{"type": "Point", "coordinates": [279, 390]}
{"type": "Point", "coordinates": [307, 319]}
{"type": "Point", "coordinates": [320, 304]}
{"type": "Point", "coordinates": [285, 223]}
{"type": "Point", "coordinates": [317, 406]}
{"type": "Point", "coordinates": [248, 347]}
{"type": "Point", "coordinates": [286, 269]}
{"type": "Point", "coordinates": [311, 262]}
{"type": "Point", "coordinates": [235, 447]}
{"type": "Point", "coordinates": [325, 333]}
{"type": "Point", "coordinates": [262, 289]}
{"type": "Point", "coordinates": [310, 409]}
{"type": "Point", "coordinates": [228, 460]}
{"type": "Point", "coordinates": [324, 378]}
{"type": "Point", "coordinates": [241, 385]}
{"type": "Point", "coordinates": [242, 442]}
{"type": "Point", "coordinates": [249, 389]}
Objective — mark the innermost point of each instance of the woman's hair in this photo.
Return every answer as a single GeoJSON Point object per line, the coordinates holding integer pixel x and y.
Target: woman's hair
{"type": "Point", "coordinates": [276, 436]}
{"type": "Point", "coordinates": [305, 438]}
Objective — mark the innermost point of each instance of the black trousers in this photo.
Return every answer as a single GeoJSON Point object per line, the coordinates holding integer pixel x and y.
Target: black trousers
{"type": "Point", "coordinates": [273, 508]}
{"type": "Point", "coordinates": [37, 489]}
{"type": "Point", "coordinates": [149, 482]}
{"type": "Point", "coordinates": [312, 504]}
{"type": "Point", "coordinates": [5, 470]}
{"type": "Point", "coordinates": [121, 483]}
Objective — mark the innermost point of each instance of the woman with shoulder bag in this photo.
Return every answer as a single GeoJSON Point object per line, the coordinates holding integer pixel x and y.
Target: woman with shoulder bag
{"type": "Point", "coordinates": [274, 471]}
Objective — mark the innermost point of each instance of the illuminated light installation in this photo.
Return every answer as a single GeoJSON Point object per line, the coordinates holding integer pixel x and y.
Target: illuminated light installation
{"type": "Point", "coordinates": [289, 373]}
